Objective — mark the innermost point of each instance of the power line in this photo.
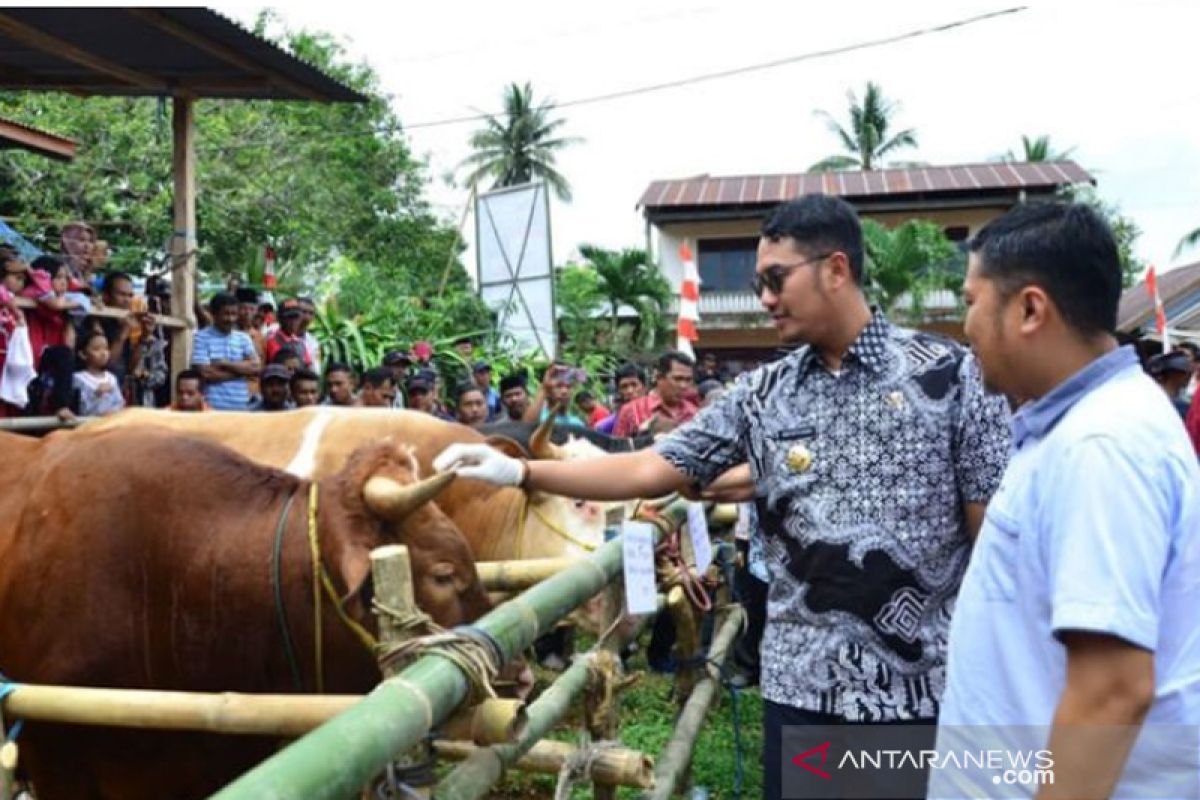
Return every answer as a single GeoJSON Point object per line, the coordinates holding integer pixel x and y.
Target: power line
{"type": "Point", "coordinates": [673, 84]}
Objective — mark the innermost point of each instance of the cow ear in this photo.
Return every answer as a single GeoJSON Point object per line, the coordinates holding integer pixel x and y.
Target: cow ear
{"type": "Point", "coordinates": [353, 566]}
{"type": "Point", "coordinates": [508, 446]}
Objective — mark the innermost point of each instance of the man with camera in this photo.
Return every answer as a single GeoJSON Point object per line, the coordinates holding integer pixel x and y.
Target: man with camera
{"type": "Point", "coordinates": [554, 395]}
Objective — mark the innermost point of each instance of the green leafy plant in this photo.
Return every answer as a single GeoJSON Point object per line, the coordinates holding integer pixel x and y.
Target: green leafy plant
{"type": "Point", "coordinates": [909, 261]}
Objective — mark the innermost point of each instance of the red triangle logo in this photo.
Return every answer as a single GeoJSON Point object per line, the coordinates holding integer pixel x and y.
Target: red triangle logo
{"type": "Point", "coordinates": [800, 760]}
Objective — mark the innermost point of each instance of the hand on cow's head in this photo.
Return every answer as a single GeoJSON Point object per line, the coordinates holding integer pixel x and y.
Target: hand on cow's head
{"type": "Point", "coordinates": [380, 499]}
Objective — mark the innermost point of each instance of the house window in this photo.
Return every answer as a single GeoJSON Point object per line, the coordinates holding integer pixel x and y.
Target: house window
{"type": "Point", "coordinates": [727, 265]}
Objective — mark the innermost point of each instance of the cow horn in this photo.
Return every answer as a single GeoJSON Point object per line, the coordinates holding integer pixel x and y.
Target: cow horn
{"type": "Point", "coordinates": [394, 501]}
{"type": "Point", "coordinates": [540, 445]}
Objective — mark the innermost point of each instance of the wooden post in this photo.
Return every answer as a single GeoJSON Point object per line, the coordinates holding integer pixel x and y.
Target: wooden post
{"type": "Point", "coordinates": [183, 240]}
{"type": "Point", "coordinates": [391, 573]}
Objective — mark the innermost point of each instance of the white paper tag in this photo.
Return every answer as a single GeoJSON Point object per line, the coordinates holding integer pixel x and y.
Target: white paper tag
{"type": "Point", "coordinates": [637, 545]}
{"type": "Point", "coordinates": [698, 530]}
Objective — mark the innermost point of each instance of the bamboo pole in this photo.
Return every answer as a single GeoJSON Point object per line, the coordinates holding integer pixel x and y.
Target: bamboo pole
{"type": "Point", "coordinates": [600, 710]}
{"type": "Point", "coordinates": [494, 721]}
{"type": "Point", "coordinates": [284, 715]}
{"type": "Point", "coordinates": [475, 777]}
{"type": "Point", "coordinates": [675, 758]}
{"type": "Point", "coordinates": [338, 758]}
{"type": "Point", "coordinates": [515, 576]}
{"type": "Point", "coordinates": [687, 642]}
{"type": "Point", "coordinates": [619, 766]}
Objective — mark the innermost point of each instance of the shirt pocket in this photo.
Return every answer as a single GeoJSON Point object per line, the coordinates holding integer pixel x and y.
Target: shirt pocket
{"type": "Point", "coordinates": [996, 552]}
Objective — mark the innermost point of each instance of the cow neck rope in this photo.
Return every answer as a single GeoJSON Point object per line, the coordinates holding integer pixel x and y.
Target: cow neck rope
{"type": "Point", "coordinates": [321, 580]}
{"type": "Point", "coordinates": [526, 507]}
{"type": "Point", "coordinates": [289, 647]}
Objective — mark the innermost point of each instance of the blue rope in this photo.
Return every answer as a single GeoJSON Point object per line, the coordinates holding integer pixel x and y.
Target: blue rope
{"type": "Point", "coordinates": [7, 687]}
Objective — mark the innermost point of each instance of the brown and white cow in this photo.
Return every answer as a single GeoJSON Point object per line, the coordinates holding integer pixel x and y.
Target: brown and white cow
{"type": "Point", "coordinates": [499, 523]}
{"type": "Point", "coordinates": [140, 558]}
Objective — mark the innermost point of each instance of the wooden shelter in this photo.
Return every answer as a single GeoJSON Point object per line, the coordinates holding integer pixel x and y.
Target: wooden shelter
{"type": "Point", "coordinates": [186, 54]}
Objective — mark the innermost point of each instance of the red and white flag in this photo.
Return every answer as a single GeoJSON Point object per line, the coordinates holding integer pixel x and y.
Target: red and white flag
{"type": "Point", "coordinates": [689, 302]}
{"type": "Point", "coordinates": [1160, 314]}
{"type": "Point", "coordinates": [269, 268]}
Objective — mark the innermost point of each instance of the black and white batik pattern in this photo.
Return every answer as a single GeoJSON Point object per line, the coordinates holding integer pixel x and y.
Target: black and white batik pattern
{"type": "Point", "coordinates": [861, 477]}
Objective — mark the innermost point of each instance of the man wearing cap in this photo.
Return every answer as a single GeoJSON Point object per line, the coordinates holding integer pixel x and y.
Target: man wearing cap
{"type": "Point", "coordinates": [481, 373]}
{"type": "Point", "coordinates": [514, 396]}
{"type": "Point", "coordinates": [288, 333]}
{"type": "Point", "coordinates": [275, 395]}
{"type": "Point", "coordinates": [1172, 371]}
{"type": "Point", "coordinates": [398, 362]}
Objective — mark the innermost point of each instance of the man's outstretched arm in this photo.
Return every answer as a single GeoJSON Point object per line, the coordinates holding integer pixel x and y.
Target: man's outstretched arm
{"type": "Point", "coordinates": [623, 476]}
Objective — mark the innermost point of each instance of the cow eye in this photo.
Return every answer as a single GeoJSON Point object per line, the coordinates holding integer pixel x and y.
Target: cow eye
{"type": "Point", "coordinates": [442, 575]}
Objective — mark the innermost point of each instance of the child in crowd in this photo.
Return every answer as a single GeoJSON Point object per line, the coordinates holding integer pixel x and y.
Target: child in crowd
{"type": "Point", "coordinates": [11, 316]}
{"type": "Point", "coordinates": [99, 393]}
{"type": "Point", "coordinates": [51, 336]}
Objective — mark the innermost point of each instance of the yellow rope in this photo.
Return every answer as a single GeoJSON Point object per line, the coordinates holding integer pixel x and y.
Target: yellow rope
{"type": "Point", "coordinates": [528, 506]}
{"type": "Point", "coordinates": [321, 579]}
{"type": "Point", "coordinates": [314, 546]}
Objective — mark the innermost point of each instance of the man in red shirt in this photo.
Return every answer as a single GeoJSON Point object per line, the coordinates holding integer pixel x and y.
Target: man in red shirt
{"type": "Point", "coordinates": [288, 333]}
{"type": "Point", "coordinates": [669, 402]}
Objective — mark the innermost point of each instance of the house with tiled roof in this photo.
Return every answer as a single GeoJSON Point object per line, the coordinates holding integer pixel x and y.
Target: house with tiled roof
{"type": "Point", "coordinates": [719, 217]}
{"type": "Point", "coordinates": [1180, 292]}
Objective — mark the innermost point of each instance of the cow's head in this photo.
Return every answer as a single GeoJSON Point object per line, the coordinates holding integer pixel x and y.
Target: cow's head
{"type": "Point", "coordinates": [379, 498]}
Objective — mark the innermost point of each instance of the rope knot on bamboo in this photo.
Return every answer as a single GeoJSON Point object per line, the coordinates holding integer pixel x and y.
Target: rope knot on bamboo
{"type": "Point", "coordinates": [476, 656]}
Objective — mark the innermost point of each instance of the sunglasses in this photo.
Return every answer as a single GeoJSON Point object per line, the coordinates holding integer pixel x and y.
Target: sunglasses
{"type": "Point", "coordinates": [772, 277]}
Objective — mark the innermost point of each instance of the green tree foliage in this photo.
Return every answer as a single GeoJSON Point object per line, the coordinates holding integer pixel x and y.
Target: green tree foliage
{"type": "Point", "coordinates": [520, 145]}
{"type": "Point", "coordinates": [333, 188]}
{"type": "Point", "coordinates": [1189, 240]}
{"type": "Point", "coordinates": [909, 262]}
{"type": "Point", "coordinates": [868, 138]}
{"type": "Point", "coordinates": [1124, 229]}
{"type": "Point", "coordinates": [581, 304]}
{"type": "Point", "coordinates": [308, 179]}
{"type": "Point", "coordinates": [630, 278]}
{"type": "Point", "coordinates": [1037, 148]}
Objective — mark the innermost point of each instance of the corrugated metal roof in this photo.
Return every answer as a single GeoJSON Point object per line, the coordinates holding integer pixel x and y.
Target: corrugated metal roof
{"type": "Point", "coordinates": [1137, 308]}
{"type": "Point", "coordinates": [752, 190]}
{"type": "Point", "coordinates": [152, 51]}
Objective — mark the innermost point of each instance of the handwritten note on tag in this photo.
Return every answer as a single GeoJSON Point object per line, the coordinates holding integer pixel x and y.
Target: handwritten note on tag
{"type": "Point", "coordinates": [698, 530]}
{"type": "Point", "coordinates": [637, 545]}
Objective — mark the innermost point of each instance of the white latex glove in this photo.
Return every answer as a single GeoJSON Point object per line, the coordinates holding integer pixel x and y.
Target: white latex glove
{"type": "Point", "coordinates": [481, 462]}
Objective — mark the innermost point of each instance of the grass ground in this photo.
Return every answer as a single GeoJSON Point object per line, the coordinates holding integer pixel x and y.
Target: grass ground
{"type": "Point", "coordinates": [647, 722]}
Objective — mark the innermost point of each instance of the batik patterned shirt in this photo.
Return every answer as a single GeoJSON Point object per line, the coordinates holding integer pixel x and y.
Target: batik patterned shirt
{"type": "Point", "coordinates": [861, 475]}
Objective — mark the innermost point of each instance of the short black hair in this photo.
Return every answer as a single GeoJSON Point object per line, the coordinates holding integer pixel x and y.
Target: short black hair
{"type": "Point", "coordinates": [304, 374]}
{"type": "Point", "coordinates": [221, 300]}
{"type": "Point", "coordinates": [463, 388]}
{"type": "Point", "coordinates": [377, 376]}
{"type": "Point", "coordinates": [337, 366]}
{"type": "Point", "coordinates": [584, 396]}
{"type": "Point", "coordinates": [819, 222]}
{"type": "Point", "coordinates": [517, 380]}
{"type": "Point", "coordinates": [189, 375]}
{"type": "Point", "coordinates": [673, 357]}
{"type": "Point", "coordinates": [111, 278]}
{"type": "Point", "coordinates": [286, 352]}
{"type": "Point", "coordinates": [47, 263]}
{"type": "Point", "coordinates": [1067, 249]}
{"type": "Point", "coordinates": [630, 370]}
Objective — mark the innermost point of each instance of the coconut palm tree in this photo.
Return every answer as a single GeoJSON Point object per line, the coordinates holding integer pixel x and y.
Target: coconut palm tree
{"type": "Point", "coordinates": [1189, 241]}
{"type": "Point", "coordinates": [866, 140]}
{"type": "Point", "coordinates": [1038, 149]}
{"type": "Point", "coordinates": [628, 277]}
{"type": "Point", "coordinates": [519, 145]}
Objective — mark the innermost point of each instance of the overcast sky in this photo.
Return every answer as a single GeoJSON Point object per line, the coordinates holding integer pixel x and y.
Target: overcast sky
{"type": "Point", "coordinates": [1115, 80]}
